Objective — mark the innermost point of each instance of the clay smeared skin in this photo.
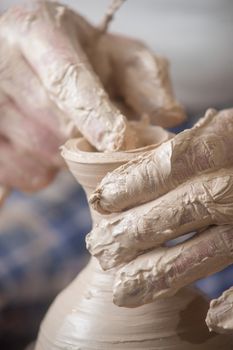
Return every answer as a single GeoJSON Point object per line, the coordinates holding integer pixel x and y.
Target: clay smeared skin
{"type": "Point", "coordinates": [204, 148]}
{"type": "Point", "coordinates": [220, 315]}
{"type": "Point", "coordinates": [141, 78]}
{"type": "Point", "coordinates": [192, 176]}
{"type": "Point", "coordinates": [81, 70]}
{"type": "Point", "coordinates": [63, 66]}
{"type": "Point", "coordinates": [206, 200]}
{"type": "Point", "coordinates": [162, 272]}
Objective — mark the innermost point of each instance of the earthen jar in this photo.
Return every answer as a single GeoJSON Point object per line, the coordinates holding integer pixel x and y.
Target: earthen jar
{"type": "Point", "coordinates": [83, 316]}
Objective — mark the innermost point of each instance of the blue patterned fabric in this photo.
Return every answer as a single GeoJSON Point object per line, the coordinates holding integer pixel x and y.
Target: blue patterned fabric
{"type": "Point", "coordinates": [42, 241]}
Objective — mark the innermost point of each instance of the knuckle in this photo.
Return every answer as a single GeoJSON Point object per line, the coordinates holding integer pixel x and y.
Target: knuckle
{"type": "Point", "coordinates": [202, 152]}
{"type": "Point", "coordinates": [15, 20]}
{"type": "Point", "coordinates": [226, 235]}
{"type": "Point", "coordinates": [225, 121]}
{"type": "Point", "coordinates": [219, 197]}
{"type": "Point", "coordinates": [193, 154]}
{"type": "Point", "coordinates": [61, 76]}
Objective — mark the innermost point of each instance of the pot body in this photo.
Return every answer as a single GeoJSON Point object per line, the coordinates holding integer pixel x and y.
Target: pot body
{"type": "Point", "coordinates": [83, 317]}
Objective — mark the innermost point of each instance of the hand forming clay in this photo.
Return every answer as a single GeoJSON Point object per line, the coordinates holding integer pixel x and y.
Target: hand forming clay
{"type": "Point", "coordinates": [204, 201]}
{"type": "Point", "coordinates": [162, 272]}
{"type": "Point", "coordinates": [86, 70]}
{"type": "Point", "coordinates": [204, 148]}
{"type": "Point", "coordinates": [84, 316]}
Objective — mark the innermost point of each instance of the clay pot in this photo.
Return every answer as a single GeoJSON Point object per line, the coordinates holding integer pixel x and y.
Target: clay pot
{"type": "Point", "coordinates": [83, 316]}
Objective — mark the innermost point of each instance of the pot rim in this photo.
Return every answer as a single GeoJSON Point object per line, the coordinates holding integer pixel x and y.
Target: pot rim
{"type": "Point", "coordinates": [73, 150]}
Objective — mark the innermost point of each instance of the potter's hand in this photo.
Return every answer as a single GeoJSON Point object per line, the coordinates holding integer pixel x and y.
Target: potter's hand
{"type": "Point", "coordinates": [188, 184]}
{"type": "Point", "coordinates": [50, 63]}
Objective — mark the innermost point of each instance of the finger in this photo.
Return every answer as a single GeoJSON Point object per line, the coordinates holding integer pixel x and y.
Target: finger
{"type": "Point", "coordinates": [220, 315]}
{"type": "Point", "coordinates": [67, 75]}
{"type": "Point", "coordinates": [22, 170]}
{"type": "Point", "coordinates": [29, 135]}
{"type": "Point", "coordinates": [143, 80]}
{"type": "Point", "coordinates": [27, 154]}
{"type": "Point", "coordinates": [206, 147]}
{"type": "Point", "coordinates": [207, 200]}
{"type": "Point", "coordinates": [163, 272]}
{"type": "Point", "coordinates": [4, 191]}
{"type": "Point", "coordinates": [21, 84]}
{"type": "Point", "coordinates": [3, 194]}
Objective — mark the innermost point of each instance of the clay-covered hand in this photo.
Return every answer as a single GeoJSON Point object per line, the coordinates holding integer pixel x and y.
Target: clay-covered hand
{"type": "Point", "coordinates": [58, 73]}
{"type": "Point", "coordinates": [184, 185]}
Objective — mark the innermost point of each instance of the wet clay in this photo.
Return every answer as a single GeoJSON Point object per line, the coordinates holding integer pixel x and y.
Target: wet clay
{"type": "Point", "coordinates": [220, 314]}
{"type": "Point", "coordinates": [154, 224]}
{"type": "Point", "coordinates": [203, 148]}
{"type": "Point", "coordinates": [165, 270]}
{"type": "Point", "coordinates": [84, 316]}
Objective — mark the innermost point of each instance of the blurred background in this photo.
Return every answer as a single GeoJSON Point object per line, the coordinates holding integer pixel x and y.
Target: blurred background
{"type": "Point", "coordinates": [42, 243]}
